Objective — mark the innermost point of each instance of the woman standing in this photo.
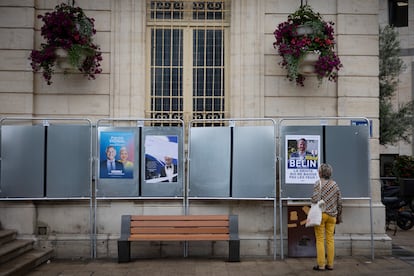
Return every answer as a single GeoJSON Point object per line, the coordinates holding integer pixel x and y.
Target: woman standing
{"type": "Point", "coordinates": [328, 190]}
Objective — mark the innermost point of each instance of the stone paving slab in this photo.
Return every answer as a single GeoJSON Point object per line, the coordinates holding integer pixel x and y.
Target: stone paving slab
{"type": "Point", "coordinates": [292, 266]}
{"type": "Point", "coordinates": [400, 263]}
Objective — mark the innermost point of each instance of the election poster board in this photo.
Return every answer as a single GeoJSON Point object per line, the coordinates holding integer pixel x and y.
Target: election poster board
{"type": "Point", "coordinates": [302, 158]}
{"type": "Point", "coordinates": [344, 147]}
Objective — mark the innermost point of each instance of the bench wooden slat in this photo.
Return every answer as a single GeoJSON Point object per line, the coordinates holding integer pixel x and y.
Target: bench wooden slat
{"type": "Point", "coordinates": [179, 237]}
{"type": "Point", "coordinates": [179, 230]}
{"type": "Point", "coordinates": [177, 217]}
{"type": "Point", "coordinates": [179, 223]}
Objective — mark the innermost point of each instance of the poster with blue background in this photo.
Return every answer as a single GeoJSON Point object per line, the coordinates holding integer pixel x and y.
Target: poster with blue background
{"type": "Point", "coordinates": [117, 154]}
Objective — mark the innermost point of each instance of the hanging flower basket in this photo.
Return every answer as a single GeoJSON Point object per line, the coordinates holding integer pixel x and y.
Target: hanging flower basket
{"type": "Point", "coordinates": [68, 35]}
{"type": "Point", "coordinates": [306, 32]}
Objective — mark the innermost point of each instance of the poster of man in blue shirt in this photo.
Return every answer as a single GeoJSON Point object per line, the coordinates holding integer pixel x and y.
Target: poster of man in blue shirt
{"type": "Point", "coordinates": [302, 158]}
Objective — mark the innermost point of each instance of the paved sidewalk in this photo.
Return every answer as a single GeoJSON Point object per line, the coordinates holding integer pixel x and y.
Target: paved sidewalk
{"type": "Point", "coordinates": [401, 263]}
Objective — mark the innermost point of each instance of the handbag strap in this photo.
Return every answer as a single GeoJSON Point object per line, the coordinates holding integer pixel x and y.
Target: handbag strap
{"type": "Point", "coordinates": [320, 189]}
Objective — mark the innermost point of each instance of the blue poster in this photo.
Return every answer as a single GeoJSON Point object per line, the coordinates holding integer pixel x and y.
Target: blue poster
{"type": "Point", "coordinates": [116, 153]}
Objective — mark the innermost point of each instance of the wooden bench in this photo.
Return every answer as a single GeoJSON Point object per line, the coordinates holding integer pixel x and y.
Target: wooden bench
{"type": "Point", "coordinates": [179, 228]}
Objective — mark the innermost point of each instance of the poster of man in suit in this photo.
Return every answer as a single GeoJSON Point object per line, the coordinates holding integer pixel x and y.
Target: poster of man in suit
{"type": "Point", "coordinates": [302, 158]}
{"type": "Point", "coordinates": [117, 154]}
{"type": "Point", "coordinates": [161, 158]}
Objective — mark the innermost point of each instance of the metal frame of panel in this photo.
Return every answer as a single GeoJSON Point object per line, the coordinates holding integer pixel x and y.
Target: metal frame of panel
{"type": "Point", "coordinates": [46, 122]}
{"type": "Point", "coordinates": [130, 123]}
{"type": "Point", "coordinates": [158, 143]}
{"type": "Point", "coordinates": [232, 123]}
{"type": "Point", "coordinates": [138, 122]}
{"type": "Point", "coordinates": [126, 185]}
{"type": "Point", "coordinates": [323, 121]}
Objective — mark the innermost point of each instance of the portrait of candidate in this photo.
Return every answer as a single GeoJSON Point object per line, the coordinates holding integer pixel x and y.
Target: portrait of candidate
{"type": "Point", "coordinates": [169, 170]}
{"type": "Point", "coordinates": [124, 159]}
{"type": "Point", "coordinates": [301, 150]}
{"type": "Point", "coordinates": [111, 167]}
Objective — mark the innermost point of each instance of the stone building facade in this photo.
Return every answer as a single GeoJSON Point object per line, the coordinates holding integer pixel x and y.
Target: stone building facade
{"type": "Point", "coordinates": [256, 88]}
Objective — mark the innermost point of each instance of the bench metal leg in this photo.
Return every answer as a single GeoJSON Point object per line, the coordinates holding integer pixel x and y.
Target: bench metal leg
{"type": "Point", "coordinates": [124, 251]}
{"type": "Point", "coordinates": [234, 250]}
{"type": "Point", "coordinates": [234, 242]}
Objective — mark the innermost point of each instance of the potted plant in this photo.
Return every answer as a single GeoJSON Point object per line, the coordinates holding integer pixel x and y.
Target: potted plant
{"type": "Point", "coordinates": [69, 31]}
{"type": "Point", "coordinates": [306, 34]}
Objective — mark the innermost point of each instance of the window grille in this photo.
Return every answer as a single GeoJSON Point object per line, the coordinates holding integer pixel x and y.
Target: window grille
{"type": "Point", "coordinates": [187, 73]}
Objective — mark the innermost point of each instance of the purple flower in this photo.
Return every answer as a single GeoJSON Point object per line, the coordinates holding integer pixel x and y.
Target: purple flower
{"type": "Point", "coordinates": [69, 28]}
{"type": "Point", "coordinates": [292, 47]}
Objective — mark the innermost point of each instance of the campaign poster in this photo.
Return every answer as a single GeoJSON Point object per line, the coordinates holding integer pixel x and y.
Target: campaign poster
{"type": "Point", "coordinates": [117, 154]}
{"type": "Point", "coordinates": [302, 158]}
{"type": "Point", "coordinates": [161, 158]}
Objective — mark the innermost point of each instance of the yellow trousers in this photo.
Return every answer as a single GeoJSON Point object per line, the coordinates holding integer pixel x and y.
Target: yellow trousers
{"type": "Point", "coordinates": [325, 231]}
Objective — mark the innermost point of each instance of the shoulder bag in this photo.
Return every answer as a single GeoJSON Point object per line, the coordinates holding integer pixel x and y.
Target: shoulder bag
{"type": "Point", "coordinates": [315, 213]}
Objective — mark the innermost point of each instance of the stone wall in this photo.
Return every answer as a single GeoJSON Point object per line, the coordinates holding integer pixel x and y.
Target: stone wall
{"type": "Point", "coordinates": [258, 88]}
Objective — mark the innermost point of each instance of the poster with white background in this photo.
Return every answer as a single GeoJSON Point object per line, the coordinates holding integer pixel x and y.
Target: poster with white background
{"type": "Point", "coordinates": [302, 158]}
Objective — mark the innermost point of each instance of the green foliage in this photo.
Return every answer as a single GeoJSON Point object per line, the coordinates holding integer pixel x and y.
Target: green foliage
{"type": "Point", "coordinates": [305, 14]}
{"type": "Point", "coordinates": [403, 166]}
{"type": "Point", "coordinates": [77, 54]}
{"type": "Point", "coordinates": [395, 125]}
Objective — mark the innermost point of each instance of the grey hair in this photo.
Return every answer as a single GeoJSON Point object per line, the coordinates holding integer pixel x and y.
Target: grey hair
{"type": "Point", "coordinates": [325, 170]}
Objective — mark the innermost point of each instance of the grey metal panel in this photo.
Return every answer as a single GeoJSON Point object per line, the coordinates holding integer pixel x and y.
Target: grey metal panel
{"type": "Point", "coordinates": [253, 162]}
{"type": "Point", "coordinates": [22, 164]}
{"type": "Point", "coordinates": [347, 150]}
{"type": "Point", "coordinates": [163, 189]}
{"type": "Point", "coordinates": [209, 162]}
{"type": "Point", "coordinates": [296, 190]}
{"type": "Point", "coordinates": [118, 187]}
{"type": "Point", "coordinates": [68, 161]}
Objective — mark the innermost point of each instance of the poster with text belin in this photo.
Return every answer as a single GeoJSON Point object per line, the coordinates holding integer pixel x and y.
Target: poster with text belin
{"type": "Point", "coordinates": [302, 158]}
